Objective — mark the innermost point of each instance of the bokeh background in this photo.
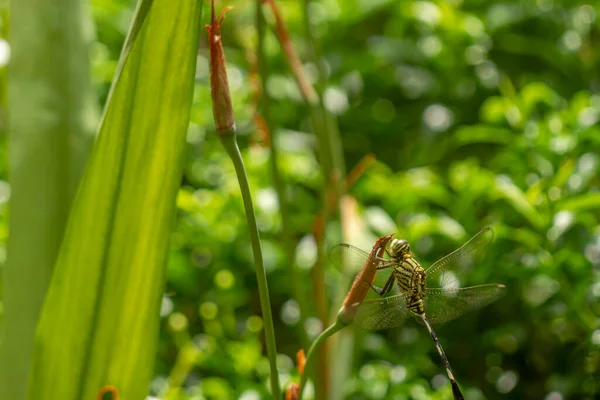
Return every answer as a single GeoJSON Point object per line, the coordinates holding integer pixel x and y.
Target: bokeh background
{"type": "Point", "coordinates": [478, 113]}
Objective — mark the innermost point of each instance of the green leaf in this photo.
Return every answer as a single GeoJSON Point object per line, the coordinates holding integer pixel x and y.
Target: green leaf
{"type": "Point", "coordinates": [587, 201]}
{"type": "Point", "coordinates": [99, 324]}
{"type": "Point", "coordinates": [52, 116]}
{"type": "Point", "coordinates": [504, 188]}
{"type": "Point", "coordinates": [470, 134]}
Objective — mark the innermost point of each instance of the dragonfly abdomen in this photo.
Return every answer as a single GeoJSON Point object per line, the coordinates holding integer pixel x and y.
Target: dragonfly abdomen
{"type": "Point", "coordinates": [410, 278]}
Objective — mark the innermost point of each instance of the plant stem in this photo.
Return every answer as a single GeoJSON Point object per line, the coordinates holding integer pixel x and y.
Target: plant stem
{"type": "Point", "coordinates": [337, 326]}
{"type": "Point", "coordinates": [331, 158]}
{"type": "Point", "coordinates": [330, 127]}
{"type": "Point", "coordinates": [230, 144]}
{"type": "Point", "coordinates": [287, 234]}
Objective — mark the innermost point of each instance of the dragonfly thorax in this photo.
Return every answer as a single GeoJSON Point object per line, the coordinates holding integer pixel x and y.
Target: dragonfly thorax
{"type": "Point", "coordinates": [399, 248]}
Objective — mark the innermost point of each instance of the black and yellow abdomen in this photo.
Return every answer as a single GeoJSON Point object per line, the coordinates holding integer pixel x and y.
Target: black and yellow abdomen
{"type": "Point", "coordinates": [410, 278]}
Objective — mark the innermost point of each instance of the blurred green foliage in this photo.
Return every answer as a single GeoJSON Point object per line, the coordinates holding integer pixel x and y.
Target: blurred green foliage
{"type": "Point", "coordinates": [479, 113]}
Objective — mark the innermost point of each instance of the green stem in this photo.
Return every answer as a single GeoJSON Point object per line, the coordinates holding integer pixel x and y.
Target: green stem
{"type": "Point", "coordinates": [330, 126]}
{"type": "Point", "coordinates": [287, 234]}
{"type": "Point", "coordinates": [332, 164]}
{"type": "Point", "coordinates": [313, 49]}
{"type": "Point", "coordinates": [230, 144]}
{"type": "Point", "coordinates": [337, 326]}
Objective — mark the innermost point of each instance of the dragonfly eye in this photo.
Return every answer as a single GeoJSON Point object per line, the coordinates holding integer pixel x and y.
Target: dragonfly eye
{"type": "Point", "coordinates": [399, 247]}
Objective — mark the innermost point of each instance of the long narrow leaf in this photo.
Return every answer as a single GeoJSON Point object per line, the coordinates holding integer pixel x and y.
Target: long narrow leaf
{"type": "Point", "coordinates": [51, 116]}
{"type": "Point", "coordinates": [100, 320]}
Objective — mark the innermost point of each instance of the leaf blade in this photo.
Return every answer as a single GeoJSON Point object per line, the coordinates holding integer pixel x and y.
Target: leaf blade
{"type": "Point", "coordinates": [104, 299]}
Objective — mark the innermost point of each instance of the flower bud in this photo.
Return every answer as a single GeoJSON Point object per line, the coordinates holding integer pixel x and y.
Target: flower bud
{"type": "Point", "coordinates": [114, 392]}
{"type": "Point", "coordinates": [293, 391]}
{"type": "Point", "coordinates": [219, 85]}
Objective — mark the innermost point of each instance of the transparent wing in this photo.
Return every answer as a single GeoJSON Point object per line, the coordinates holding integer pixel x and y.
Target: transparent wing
{"type": "Point", "coordinates": [382, 313]}
{"type": "Point", "coordinates": [349, 260]}
{"type": "Point", "coordinates": [447, 270]}
{"type": "Point", "coordinates": [442, 305]}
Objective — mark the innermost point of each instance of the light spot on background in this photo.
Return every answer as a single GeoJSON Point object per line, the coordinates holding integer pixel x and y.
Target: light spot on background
{"type": "Point", "coordinates": [290, 312]}
{"type": "Point", "coordinates": [540, 289]}
{"type": "Point", "coordinates": [571, 40]}
{"type": "Point", "coordinates": [596, 337]}
{"type": "Point", "coordinates": [398, 374]}
{"type": "Point", "coordinates": [267, 200]}
{"type": "Point", "coordinates": [254, 323]}
{"type": "Point", "coordinates": [554, 396]}
{"type": "Point", "coordinates": [475, 54]}
{"type": "Point", "coordinates": [250, 395]}
{"type": "Point", "coordinates": [178, 322]}
{"type": "Point", "coordinates": [507, 382]}
{"type": "Point", "coordinates": [488, 74]}
{"type": "Point", "coordinates": [430, 45]}
{"type": "Point", "coordinates": [313, 327]}
{"type": "Point", "coordinates": [437, 117]}
{"type": "Point", "coordinates": [166, 306]}
{"type": "Point", "coordinates": [306, 252]}
{"type": "Point", "coordinates": [367, 373]}
{"type": "Point", "coordinates": [208, 310]}
{"type": "Point", "coordinates": [4, 53]}
{"type": "Point", "coordinates": [4, 192]}
{"type": "Point", "coordinates": [336, 100]}
{"type": "Point", "coordinates": [427, 12]}
{"type": "Point", "coordinates": [224, 279]}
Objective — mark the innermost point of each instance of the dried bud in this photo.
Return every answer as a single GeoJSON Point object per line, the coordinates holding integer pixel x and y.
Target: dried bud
{"type": "Point", "coordinates": [301, 361]}
{"type": "Point", "coordinates": [114, 392]}
{"type": "Point", "coordinates": [293, 391]}
{"type": "Point", "coordinates": [363, 281]}
{"type": "Point", "coordinates": [219, 85]}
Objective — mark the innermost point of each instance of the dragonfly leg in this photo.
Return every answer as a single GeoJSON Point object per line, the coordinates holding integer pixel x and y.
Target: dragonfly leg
{"type": "Point", "coordinates": [381, 291]}
{"type": "Point", "coordinates": [377, 289]}
{"type": "Point", "coordinates": [388, 286]}
{"type": "Point", "coordinates": [384, 265]}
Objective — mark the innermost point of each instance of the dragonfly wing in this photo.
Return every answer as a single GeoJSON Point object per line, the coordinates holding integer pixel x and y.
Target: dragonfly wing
{"type": "Point", "coordinates": [382, 313]}
{"type": "Point", "coordinates": [349, 260]}
{"type": "Point", "coordinates": [443, 305]}
{"type": "Point", "coordinates": [447, 270]}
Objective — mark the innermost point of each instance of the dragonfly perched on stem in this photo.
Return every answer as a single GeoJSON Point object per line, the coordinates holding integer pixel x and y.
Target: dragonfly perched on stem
{"type": "Point", "coordinates": [406, 290]}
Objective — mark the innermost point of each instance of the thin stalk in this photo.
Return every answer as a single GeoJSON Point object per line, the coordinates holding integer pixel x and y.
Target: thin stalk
{"type": "Point", "coordinates": [336, 327]}
{"type": "Point", "coordinates": [287, 234]}
{"type": "Point", "coordinates": [330, 125]}
{"type": "Point", "coordinates": [331, 167]}
{"type": "Point", "coordinates": [186, 359]}
{"type": "Point", "coordinates": [231, 146]}
{"type": "Point", "coordinates": [331, 156]}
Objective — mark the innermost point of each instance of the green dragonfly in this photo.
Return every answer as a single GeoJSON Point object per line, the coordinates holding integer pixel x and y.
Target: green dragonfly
{"type": "Point", "coordinates": [406, 290]}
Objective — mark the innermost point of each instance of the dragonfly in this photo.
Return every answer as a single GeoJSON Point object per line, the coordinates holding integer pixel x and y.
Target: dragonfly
{"type": "Point", "coordinates": [409, 289]}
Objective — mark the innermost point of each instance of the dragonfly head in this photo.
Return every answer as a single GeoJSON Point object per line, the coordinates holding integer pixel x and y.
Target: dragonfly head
{"type": "Point", "coordinates": [398, 248]}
